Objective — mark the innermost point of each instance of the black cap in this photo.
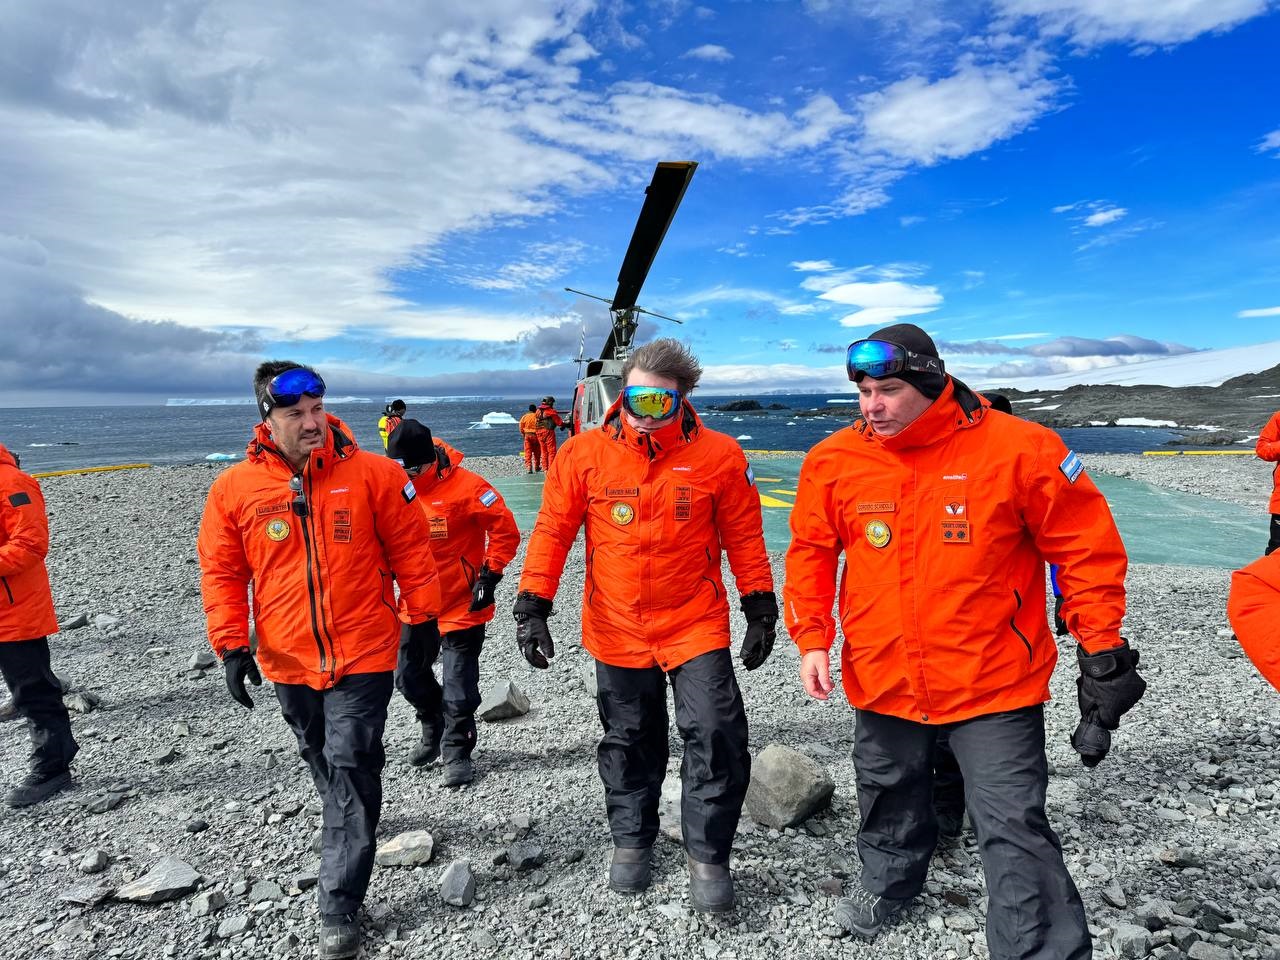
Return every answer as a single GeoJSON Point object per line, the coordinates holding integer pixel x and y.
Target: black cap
{"type": "Point", "coordinates": [549, 401]}
{"type": "Point", "coordinates": [411, 444]}
{"type": "Point", "coordinates": [999, 402]}
{"type": "Point", "coordinates": [917, 341]}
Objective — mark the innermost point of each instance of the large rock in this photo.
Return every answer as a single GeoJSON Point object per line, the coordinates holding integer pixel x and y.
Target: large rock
{"type": "Point", "coordinates": [1130, 940]}
{"type": "Point", "coordinates": [503, 702]}
{"type": "Point", "coordinates": [167, 880]}
{"type": "Point", "coordinates": [87, 893]}
{"type": "Point", "coordinates": [786, 787]}
{"type": "Point", "coordinates": [458, 885]}
{"type": "Point", "coordinates": [94, 861]}
{"type": "Point", "coordinates": [409, 849]}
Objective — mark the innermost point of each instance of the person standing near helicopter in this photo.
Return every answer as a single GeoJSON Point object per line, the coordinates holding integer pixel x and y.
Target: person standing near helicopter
{"type": "Point", "coordinates": [548, 420]}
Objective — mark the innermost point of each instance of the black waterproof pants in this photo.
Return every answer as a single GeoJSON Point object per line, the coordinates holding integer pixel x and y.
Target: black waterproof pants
{"type": "Point", "coordinates": [448, 715]}
{"type": "Point", "coordinates": [1034, 911]}
{"type": "Point", "coordinates": [339, 733]}
{"type": "Point", "coordinates": [37, 696]}
{"type": "Point", "coordinates": [633, 752]}
{"type": "Point", "coordinates": [948, 781]}
{"type": "Point", "coordinates": [1274, 543]}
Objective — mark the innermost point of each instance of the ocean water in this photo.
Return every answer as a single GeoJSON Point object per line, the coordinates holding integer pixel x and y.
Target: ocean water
{"type": "Point", "coordinates": [63, 438]}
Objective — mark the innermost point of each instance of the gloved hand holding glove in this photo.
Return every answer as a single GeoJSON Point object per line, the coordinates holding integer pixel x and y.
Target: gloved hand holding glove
{"type": "Point", "coordinates": [761, 610]}
{"type": "Point", "coordinates": [532, 636]}
{"type": "Point", "coordinates": [1108, 687]}
{"type": "Point", "coordinates": [240, 664]}
{"type": "Point", "coordinates": [422, 644]}
{"type": "Point", "coordinates": [482, 589]}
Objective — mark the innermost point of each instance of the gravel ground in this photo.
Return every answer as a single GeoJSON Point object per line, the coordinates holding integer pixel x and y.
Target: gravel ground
{"type": "Point", "coordinates": [1234, 478]}
{"type": "Point", "coordinates": [1174, 831]}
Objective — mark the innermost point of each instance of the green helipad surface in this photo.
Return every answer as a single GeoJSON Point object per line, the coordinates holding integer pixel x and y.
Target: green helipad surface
{"type": "Point", "coordinates": [1158, 525]}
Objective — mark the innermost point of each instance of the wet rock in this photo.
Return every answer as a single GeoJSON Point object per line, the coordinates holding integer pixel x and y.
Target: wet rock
{"type": "Point", "coordinates": [786, 787]}
{"type": "Point", "coordinates": [167, 880]}
{"type": "Point", "coordinates": [208, 903]}
{"type": "Point", "coordinates": [1130, 940]}
{"type": "Point", "coordinates": [195, 825]}
{"type": "Point", "coordinates": [406, 850]}
{"type": "Point", "coordinates": [458, 884]}
{"type": "Point", "coordinates": [94, 861]}
{"type": "Point", "coordinates": [502, 702]}
{"type": "Point", "coordinates": [524, 856]}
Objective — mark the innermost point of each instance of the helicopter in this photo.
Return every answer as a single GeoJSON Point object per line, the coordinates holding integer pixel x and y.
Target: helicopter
{"type": "Point", "coordinates": [600, 383]}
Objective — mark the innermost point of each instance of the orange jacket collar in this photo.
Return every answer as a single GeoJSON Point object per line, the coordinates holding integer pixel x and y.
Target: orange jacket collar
{"type": "Point", "coordinates": [7, 458]}
{"type": "Point", "coordinates": [944, 415]}
{"type": "Point", "coordinates": [339, 442]}
{"type": "Point", "coordinates": [679, 431]}
{"type": "Point", "coordinates": [428, 479]}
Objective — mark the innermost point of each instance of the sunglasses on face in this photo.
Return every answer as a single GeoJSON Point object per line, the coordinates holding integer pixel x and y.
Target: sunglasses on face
{"type": "Point", "coordinates": [880, 358]}
{"type": "Point", "coordinates": [299, 498]}
{"type": "Point", "coordinates": [287, 388]}
{"type": "Point", "coordinates": [657, 403]}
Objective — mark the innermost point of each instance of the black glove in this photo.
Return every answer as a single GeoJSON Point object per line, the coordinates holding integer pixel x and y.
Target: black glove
{"type": "Point", "coordinates": [422, 644]}
{"type": "Point", "coordinates": [533, 637]}
{"type": "Point", "coordinates": [1108, 687]}
{"type": "Point", "coordinates": [564, 426]}
{"type": "Point", "coordinates": [482, 589]}
{"type": "Point", "coordinates": [238, 665]}
{"type": "Point", "coordinates": [761, 611]}
{"type": "Point", "coordinates": [1059, 625]}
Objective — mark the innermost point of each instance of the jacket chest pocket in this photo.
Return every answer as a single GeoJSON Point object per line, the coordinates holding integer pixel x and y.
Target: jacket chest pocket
{"type": "Point", "coordinates": [338, 521]}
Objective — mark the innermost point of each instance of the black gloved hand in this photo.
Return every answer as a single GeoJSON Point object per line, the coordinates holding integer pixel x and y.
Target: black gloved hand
{"type": "Point", "coordinates": [761, 611]}
{"type": "Point", "coordinates": [1059, 625]}
{"type": "Point", "coordinates": [238, 665]}
{"type": "Point", "coordinates": [482, 590]}
{"type": "Point", "coordinates": [422, 644]}
{"type": "Point", "coordinates": [1108, 687]}
{"type": "Point", "coordinates": [532, 636]}
{"type": "Point", "coordinates": [564, 426]}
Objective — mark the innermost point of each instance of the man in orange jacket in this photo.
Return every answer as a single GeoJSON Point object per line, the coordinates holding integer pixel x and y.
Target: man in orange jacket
{"type": "Point", "coordinates": [323, 532]}
{"type": "Point", "coordinates": [660, 496]}
{"type": "Point", "coordinates": [26, 620]}
{"type": "Point", "coordinates": [1254, 609]}
{"type": "Point", "coordinates": [473, 538]}
{"type": "Point", "coordinates": [529, 437]}
{"type": "Point", "coordinates": [1268, 448]}
{"type": "Point", "coordinates": [547, 421]}
{"type": "Point", "coordinates": [945, 515]}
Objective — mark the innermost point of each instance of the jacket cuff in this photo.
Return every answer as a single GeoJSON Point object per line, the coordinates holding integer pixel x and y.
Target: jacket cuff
{"type": "Point", "coordinates": [759, 604]}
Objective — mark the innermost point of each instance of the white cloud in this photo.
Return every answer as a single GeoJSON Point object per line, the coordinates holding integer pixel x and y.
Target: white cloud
{"type": "Point", "coordinates": [1103, 217]}
{"type": "Point", "coordinates": [910, 220]}
{"type": "Point", "coordinates": [1150, 22]}
{"type": "Point", "coordinates": [770, 376]}
{"type": "Point", "coordinates": [883, 302]}
{"type": "Point", "coordinates": [1260, 312]}
{"type": "Point", "coordinates": [1270, 143]}
{"type": "Point", "coordinates": [709, 51]}
{"type": "Point", "coordinates": [925, 122]}
{"type": "Point", "coordinates": [738, 249]}
{"type": "Point", "coordinates": [812, 266]}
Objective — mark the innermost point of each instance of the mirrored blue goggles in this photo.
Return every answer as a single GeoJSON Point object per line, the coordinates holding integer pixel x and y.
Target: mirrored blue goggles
{"type": "Point", "coordinates": [286, 389]}
{"type": "Point", "coordinates": [656, 402]}
{"type": "Point", "coordinates": [880, 358]}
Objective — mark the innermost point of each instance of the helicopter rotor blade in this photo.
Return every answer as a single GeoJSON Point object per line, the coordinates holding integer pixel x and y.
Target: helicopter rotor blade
{"type": "Point", "coordinates": [662, 198]}
{"type": "Point", "coordinates": [660, 316]}
{"type": "Point", "coordinates": [583, 293]}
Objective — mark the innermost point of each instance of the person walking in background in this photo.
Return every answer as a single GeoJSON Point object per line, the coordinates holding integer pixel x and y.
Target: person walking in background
{"type": "Point", "coordinates": [321, 533]}
{"type": "Point", "coordinates": [1268, 448]}
{"type": "Point", "coordinates": [943, 512]}
{"type": "Point", "coordinates": [529, 437]}
{"type": "Point", "coordinates": [548, 421]}
{"type": "Point", "coordinates": [473, 538]}
{"type": "Point", "coordinates": [1253, 606]}
{"type": "Point", "coordinates": [392, 414]}
{"type": "Point", "coordinates": [26, 620]}
{"type": "Point", "coordinates": [660, 496]}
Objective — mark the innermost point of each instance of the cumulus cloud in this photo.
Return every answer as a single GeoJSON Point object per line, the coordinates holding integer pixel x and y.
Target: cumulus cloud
{"type": "Point", "coordinates": [709, 51]}
{"type": "Point", "coordinates": [1146, 22]}
{"type": "Point", "coordinates": [1103, 217]}
{"type": "Point", "coordinates": [812, 266]}
{"type": "Point", "coordinates": [884, 302]}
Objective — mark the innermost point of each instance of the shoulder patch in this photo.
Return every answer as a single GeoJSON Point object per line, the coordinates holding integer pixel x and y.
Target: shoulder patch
{"type": "Point", "coordinates": [1072, 466]}
{"type": "Point", "coordinates": [751, 477]}
{"type": "Point", "coordinates": [409, 493]}
{"type": "Point", "coordinates": [19, 499]}
{"type": "Point", "coordinates": [489, 497]}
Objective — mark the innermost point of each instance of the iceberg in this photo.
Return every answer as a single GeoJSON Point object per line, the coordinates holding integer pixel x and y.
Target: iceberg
{"type": "Point", "coordinates": [220, 457]}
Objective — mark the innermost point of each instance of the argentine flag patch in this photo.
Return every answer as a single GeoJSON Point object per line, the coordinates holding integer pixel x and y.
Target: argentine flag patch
{"type": "Point", "coordinates": [408, 492]}
{"type": "Point", "coordinates": [488, 498]}
{"type": "Point", "coordinates": [1071, 467]}
{"type": "Point", "coordinates": [751, 477]}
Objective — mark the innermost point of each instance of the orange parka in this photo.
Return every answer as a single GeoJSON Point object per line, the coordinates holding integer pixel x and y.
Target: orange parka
{"type": "Point", "coordinates": [529, 424]}
{"type": "Point", "coordinates": [471, 526]}
{"type": "Point", "coordinates": [1268, 448]}
{"type": "Point", "coordinates": [323, 583]}
{"type": "Point", "coordinates": [26, 603]}
{"type": "Point", "coordinates": [1254, 610]}
{"type": "Point", "coordinates": [658, 511]}
{"type": "Point", "coordinates": [945, 528]}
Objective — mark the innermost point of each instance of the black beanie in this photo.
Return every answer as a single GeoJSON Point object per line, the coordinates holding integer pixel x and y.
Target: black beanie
{"type": "Point", "coordinates": [911, 337]}
{"type": "Point", "coordinates": [411, 444]}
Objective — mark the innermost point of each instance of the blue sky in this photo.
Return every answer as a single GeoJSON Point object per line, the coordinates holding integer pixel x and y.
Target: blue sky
{"type": "Point", "coordinates": [1047, 186]}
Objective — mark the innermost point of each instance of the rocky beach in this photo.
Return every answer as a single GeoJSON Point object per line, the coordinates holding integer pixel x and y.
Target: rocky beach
{"type": "Point", "coordinates": [189, 831]}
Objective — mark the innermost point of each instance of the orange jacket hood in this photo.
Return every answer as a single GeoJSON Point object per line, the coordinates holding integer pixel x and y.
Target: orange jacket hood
{"type": "Point", "coordinates": [26, 602]}
{"type": "Point", "coordinates": [944, 529]}
{"type": "Point", "coordinates": [1254, 610]}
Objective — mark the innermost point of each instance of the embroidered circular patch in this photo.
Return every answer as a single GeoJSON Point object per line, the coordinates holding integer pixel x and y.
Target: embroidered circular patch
{"type": "Point", "coordinates": [277, 529]}
{"type": "Point", "coordinates": [878, 534]}
{"type": "Point", "coordinates": [622, 513]}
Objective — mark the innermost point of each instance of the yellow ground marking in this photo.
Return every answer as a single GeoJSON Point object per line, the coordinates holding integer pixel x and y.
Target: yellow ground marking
{"type": "Point", "coordinates": [768, 479]}
{"type": "Point", "coordinates": [65, 473]}
{"type": "Point", "coordinates": [768, 501]}
{"type": "Point", "coordinates": [790, 493]}
{"type": "Point", "coordinates": [1197, 453]}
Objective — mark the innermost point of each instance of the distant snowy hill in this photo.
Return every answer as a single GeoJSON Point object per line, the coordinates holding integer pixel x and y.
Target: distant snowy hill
{"type": "Point", "coordinates": [1206, 368]}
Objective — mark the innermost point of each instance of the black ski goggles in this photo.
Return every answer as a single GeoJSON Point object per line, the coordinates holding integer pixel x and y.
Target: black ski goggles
{"type": "Point", "coordinates": [658, 403]}
{"type": "Point", "coordinates": [286, 389]}
{"type": "Point", "coordinates": [880, 358]}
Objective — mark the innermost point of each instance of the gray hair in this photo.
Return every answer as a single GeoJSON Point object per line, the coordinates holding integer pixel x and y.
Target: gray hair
{"type": "Point", "coordinates": [666, 357]}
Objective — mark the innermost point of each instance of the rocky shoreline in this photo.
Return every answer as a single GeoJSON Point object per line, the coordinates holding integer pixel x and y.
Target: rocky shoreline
{"type": "Point", "coordinates": [1172, 840]}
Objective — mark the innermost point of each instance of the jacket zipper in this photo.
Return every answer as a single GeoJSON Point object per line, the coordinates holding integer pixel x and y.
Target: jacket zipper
{"type": "Point", "coordinates": [8, 592]}
{"type": "Point", "coordinates": [591, 578]}
{"type": "Point", "coordinates": [310, 520]}
{"type": "Point", "coordinates": [714, 589]}
{"type": "Point", "coordinates": [382, 593]}
{"type": "Point", "coordinates": [311, 589]}
{"type": "Point", "coordinates": [469, 573]}
{"type": "Point", "coordinates": [1014, 627]}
